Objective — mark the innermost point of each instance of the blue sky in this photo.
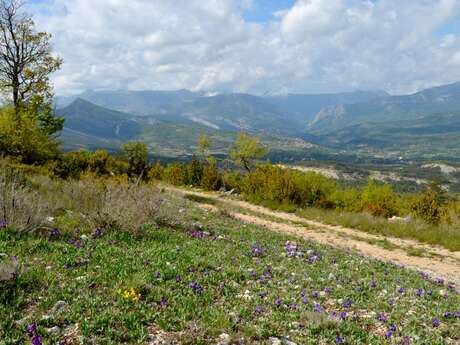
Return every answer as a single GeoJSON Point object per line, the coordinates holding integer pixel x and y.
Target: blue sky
{"type": "Point", "coordinates": [239, 45]}
{"type": "Point", "coordinates": [262, 10]}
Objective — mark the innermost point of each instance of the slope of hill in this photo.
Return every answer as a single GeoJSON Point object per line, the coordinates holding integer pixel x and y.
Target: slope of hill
{"type": "Point", "coordinates": [429, 137]}
{"type": "Point", "coordinates": [362, 124]}
{"type": "Point", "coordinates": [302, 108]}
{"type": "Point", "coordinates": [85, 117]}
{"type": "Point", "coordinates": [91, 126]}
{"type": "Point", "coordinates": [135, 102]}
{"type": "Point", "coordinates": [431, 101]}
{"type": "Point", "coordinates": [287, 114]}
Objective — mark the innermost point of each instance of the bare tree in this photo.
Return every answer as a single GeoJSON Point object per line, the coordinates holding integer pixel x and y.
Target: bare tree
{"type": "Point", "coordinates": [26, 59]}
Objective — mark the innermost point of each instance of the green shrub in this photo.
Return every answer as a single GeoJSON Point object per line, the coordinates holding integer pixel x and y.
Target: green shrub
{"type": "Point", "coordinates": [268, 182]}
{"type": "Point", "coordinates": [348, 200]}
{"type": "Point", "coordinates": [211, 178]}
{"type": "Point", "coordinates": [379, 200]}
{"type": "Point", "coordinates": [100, 162]}
{"type": "Point", "coordinates": [156, 172]}
{"type": "Point", "coordinates": [176, 174]}
{"type": "Point", "coordinates": [24, 139]}
{"type": "Point", "coordinates": [136, 155]}
{"type": "Point", "coordinates": [194, 172]}
{"type": "Point", "coordinates": [427, 206]}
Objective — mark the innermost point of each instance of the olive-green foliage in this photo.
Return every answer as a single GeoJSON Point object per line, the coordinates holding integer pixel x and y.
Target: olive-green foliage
{"type": "Point", "coordinates": [136, 154]}
{"type": "Point", "coordinates": [211, 178]}
{"type": "Point", "coordinates": [268, 182]}
{"type": "Point", "coordinates": [450, 214]}
{"type": "Point", "coordinates": [156, 172]}
{"type": "Point", "coordinates": [194, 172]}
{"type": "Point", "coordinates": [100, 162]}
{"type": "Point", "coordinates": [347, 199]}
{"type": "Point", "coordinates": [23, 139]}
{"type": "Point", "coordinates": [379, 200]}
{"type": "Point", "coordinates": [233, 180]}
{"type": "Point", "coordinates": [427, 206]}
{"type": "Point", "coordinates": [247, 150]}
{"type": "Point", "coordinates": [176, 174]}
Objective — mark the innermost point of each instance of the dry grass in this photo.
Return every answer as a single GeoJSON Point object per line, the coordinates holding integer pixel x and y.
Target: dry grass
{"type": "Point", "coordinates": [21, 207]}
{"type": "Point", "coordinates": [109, 204]}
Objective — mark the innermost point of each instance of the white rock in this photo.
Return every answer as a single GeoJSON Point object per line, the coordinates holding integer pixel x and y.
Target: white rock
{"type": "Point", "coordinates": [274, 341]}
{"type": "Point", "coordinates": [53, 330]}
{"type": "Point", "coordinates": [224, 339]}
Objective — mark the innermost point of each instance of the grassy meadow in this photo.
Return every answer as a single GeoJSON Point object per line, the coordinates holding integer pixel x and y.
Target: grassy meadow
{"type": "Point", "coordinates": [105, 261]}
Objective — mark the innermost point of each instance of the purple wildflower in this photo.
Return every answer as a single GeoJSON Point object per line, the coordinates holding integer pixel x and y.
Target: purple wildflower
{"type": "Point", "coordinates": [67, 266]}
{"type": "Point", "coordinates": [259, 309]}
{"type": "Point", "coordinates": [338, 340]}
{"type": "Point", "coordinates": [457, 314]}
{"type": "Point", "coordinates": [315, 294]}
{"type": "Point", "coordinates": [305, 300]}
{"type": "Point", "coordinates": [98, 232]}
{"type": "Point", "coordinates": [294, 306]}
{"type": "Point", "coordinates": [391, 302]}
{"type": "Point", "coordinates": [388, 334]}
{"type": "Point", "coordinates": [278, 302]}
{"type": "Point", "coordinates": [164, 302]}
{"type": "Point", "coordinates": [3, 224]}
{"type": "Point", "coordinates": [382, 317]}
{"type": "Point", "coordinates": [256, 250]}
{"type": "Point", "coordinates": [31, 328]}
{"type": "Point", "coordinates": [262, 294]}
{"type": "Point", "coordinates": [318, 308]}
{"type": "Point", "coordinates": [55, 233]}
{"type": "Point", "coordinates": [343, 315]}
{"type": "Point", "coordinates": [196, 287]}
{"type": "Point", "coordinates": [347, 303]}
{"type": "Point", "coordinates": [37, 340]}
{"type": "Point", "coordinates": [448, 314]}
{"type": "Point", "coordinates": [178, 279]}
{"type": "Point", "coordinates": [401, 290]}
{"type": "Point", "coordinates": [436, 323]}
{"type": "Point", "coordinates": [393, 327]}
{"type": "Point", "coordinates": [420, 292]}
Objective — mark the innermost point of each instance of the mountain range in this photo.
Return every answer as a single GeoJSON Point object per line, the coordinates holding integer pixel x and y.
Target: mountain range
{"type": "Point", "coordinates": [360, 121]}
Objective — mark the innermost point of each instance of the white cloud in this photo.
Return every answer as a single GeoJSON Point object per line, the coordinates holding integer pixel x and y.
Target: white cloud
{"type": "Point", "coordinates": [317, 45]}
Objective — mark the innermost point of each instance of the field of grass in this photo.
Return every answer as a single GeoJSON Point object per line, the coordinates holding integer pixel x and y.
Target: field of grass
{"type": "Point", "coordinates": [200, 278]}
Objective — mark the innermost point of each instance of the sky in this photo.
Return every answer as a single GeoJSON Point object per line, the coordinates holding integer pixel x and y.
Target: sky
{"type": "Point", "coordinates": [253, 46]}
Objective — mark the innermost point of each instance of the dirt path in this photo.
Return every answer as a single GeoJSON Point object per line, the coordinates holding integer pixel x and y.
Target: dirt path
{"type": "Point", "coordinates": [440, 262]}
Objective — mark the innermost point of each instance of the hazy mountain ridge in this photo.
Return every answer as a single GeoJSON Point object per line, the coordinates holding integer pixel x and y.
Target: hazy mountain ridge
{"type": "Point", "coordinates": [427, 102]}
{"type": "Point", "coordinates": [425, 123]}
{"type": "Point", "coordinates": [288, 114]}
